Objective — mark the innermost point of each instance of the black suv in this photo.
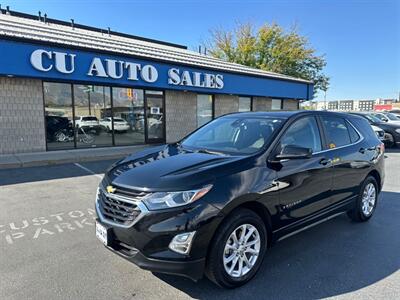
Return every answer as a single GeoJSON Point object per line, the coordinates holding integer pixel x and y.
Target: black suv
{"type": "Point", "coordinates": [215, 201]}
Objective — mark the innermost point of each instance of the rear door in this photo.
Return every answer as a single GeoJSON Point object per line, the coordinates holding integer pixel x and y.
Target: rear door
{"type": "Point", "coordinates": [348, 157]}
{"type": "Point", "coordinates": [304, 184]}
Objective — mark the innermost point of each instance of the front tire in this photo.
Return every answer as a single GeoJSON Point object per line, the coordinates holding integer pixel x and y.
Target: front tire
{"type": "Point", "coordinates": [237, 249]}
{"type": "Point", "coordinates": [366, 201]}
{"type": "Point", "coordinates": [390, 141]}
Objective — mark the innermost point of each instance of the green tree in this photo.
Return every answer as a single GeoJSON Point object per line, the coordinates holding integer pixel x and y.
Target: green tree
{"type": "Point", "coordinates": [270, 48]}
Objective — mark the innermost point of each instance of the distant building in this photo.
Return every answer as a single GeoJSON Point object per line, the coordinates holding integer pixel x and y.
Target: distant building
{"type": "Point", "coordinates": [346, 105]}
{"type": "Point", "coordinates": [355, 105]}
{"type": "Point", "coordinates": [366, 105]}
{"type": "Point", "coordinates": [333, 105]}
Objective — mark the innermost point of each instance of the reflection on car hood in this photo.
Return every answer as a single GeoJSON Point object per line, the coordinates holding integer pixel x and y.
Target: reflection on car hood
{"type": "Point", "coordinates": [167, 168]}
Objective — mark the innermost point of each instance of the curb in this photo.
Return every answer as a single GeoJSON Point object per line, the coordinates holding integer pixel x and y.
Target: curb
{"type": "Point", "coordinates": [12, 161]}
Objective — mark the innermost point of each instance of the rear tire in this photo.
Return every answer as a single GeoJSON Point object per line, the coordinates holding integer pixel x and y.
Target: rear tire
{"type": "Point", "coordinates": [366, 201]}
{"type": "Point", "coordinates": [244, 256]}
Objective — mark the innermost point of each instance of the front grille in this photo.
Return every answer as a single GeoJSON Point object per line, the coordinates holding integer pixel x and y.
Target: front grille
{"type": "Point", "coordinates": [120, 207]}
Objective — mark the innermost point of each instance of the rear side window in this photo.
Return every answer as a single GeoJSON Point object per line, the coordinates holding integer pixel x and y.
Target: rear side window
{"type": "Point", "coordinates": [337, 132]}
{"type": "Point", "coordinates": [354, 136]}
{"type": "Point", "coordinates": [303, 133]}
{"type": "Point", "coordinates": [364, 128]}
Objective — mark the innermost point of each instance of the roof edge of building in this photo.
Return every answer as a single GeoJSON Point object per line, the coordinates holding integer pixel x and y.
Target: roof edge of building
{"type": "Point", "coordinates": [92, 28]}
{"type": "Point", "coordinates": [252, 72]}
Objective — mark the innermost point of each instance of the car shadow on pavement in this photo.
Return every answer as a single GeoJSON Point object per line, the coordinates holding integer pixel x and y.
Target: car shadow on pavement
{"type": "Point", "coordinates": [43, 173]}
{"type": "Point", "coordinates": [392, 150]}
{"type": "Point", "coordinates": [331, 259]}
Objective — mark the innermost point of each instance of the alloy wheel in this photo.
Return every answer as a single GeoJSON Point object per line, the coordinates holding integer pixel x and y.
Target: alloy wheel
{"type": "Point", "coordinates": [368, 199]}
{"type": "Point", "coordinates": [241, 250]}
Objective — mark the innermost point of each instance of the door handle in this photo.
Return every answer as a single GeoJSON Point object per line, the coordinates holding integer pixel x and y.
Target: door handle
{"type": "Point", "coordinates": [325, 161]}
{"type": "Point", "coordinates": [362, 150]}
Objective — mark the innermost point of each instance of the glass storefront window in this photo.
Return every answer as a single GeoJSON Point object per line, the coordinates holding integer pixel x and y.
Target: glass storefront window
{"type": "Point", "coordinates": [92, 108]}
{"type": "Point", "coordinates": [276, 104]}
{"type": "Point", "coordinates": [155, 115]}
{"type": "Point", "coordinates": [204, 109]}
{"type": "Point", "coordinates": [85, 116]}
{"type": "Point", "coordinates": [128, 116]}
{"type": "Point", "coordinates": [58, 115]}
{"type": "Point", "coordinates": [244, 104]}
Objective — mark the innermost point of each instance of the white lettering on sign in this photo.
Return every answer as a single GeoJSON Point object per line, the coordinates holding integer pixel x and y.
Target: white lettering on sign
{"type": "Point", "coordinates": [60, 59]}
{"type": "Point", "coordinates": [64, 63]}
{"type": "Point", "coordinates": [196, 79]}
{"type": "Point", "coordinates": [115, 69]}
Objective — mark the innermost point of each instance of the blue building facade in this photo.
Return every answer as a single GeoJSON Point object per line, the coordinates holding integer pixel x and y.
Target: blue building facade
{"type": "Point", "coordinates": [91, 88]}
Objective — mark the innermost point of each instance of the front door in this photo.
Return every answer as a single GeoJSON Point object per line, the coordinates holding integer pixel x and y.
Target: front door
{"type": "Point", "coordinates": [304, 184]}
{"type": "Point", "coordinates": [155, 117]}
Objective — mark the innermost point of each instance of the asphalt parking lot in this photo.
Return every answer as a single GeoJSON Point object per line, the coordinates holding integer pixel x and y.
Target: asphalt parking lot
{"type": "Point", "coordinates": [48, 249]}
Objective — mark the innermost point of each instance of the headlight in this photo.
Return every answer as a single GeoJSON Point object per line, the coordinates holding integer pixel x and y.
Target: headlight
{"type": "Point", "coordinates": [164, 200]}
{"type": "Point", "coordinates": [398, 130]}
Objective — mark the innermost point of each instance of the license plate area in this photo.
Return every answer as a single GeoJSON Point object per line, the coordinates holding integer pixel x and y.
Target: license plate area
{"type": "Point", "coordinates": [102, 233]}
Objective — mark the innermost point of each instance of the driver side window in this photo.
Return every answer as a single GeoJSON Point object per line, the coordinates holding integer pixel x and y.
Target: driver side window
{"type": "Point", "coordinates": [303, 133]}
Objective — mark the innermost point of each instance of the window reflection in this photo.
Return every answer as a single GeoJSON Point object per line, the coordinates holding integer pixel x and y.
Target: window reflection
{"type": "Point", "coordinates": [85, 116]}
{"type": "Point", "coordinates": [92, 105]}
{"type": "Point", "coordinates": [155, 113]}
{"type": "Point", "coordinates": [58, 115]}
{"type": "Point", "coordinates": [276, 104]}
{"type": "Point", "coordinates": [128, 116]}
{"type": "Point", "coordinates": [244, 104]}
{"type": "Point", "coordinates": [204, 109]}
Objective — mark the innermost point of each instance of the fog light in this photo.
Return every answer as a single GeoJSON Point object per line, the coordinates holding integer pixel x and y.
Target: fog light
{"type": "Point", "coordinates": [182, 243]}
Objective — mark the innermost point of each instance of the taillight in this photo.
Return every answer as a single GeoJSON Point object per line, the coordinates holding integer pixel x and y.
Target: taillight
{"type": "Point", "coordinates": [382, 148]}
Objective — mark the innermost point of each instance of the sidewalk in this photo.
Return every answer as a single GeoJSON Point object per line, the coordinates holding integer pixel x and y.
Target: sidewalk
{"type": "Point", "coordinates": [9, 161]}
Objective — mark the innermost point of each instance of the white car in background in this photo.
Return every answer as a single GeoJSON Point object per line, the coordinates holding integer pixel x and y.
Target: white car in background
{"type": "Point", "coordinates": [87, 124]}
{"type": "Point", "coordinates": [120, 125]}
{"type": "Point", "coordinates": [387, 117]}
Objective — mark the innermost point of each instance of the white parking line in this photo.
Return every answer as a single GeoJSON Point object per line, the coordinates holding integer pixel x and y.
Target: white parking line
{"type": "Point", "coordinates": [88, 170]}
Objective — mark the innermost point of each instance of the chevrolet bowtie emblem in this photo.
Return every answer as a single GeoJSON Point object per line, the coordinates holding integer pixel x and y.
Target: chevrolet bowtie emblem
{"type": "Point", "coordinates": [111, 189]}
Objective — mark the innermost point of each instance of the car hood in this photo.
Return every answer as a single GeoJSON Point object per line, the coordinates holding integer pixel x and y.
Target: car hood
{"type": "Point", "coordinates": [171, 168]}
{"type": "Point", "coordinates": [376, 128]}
{"type": "Point", "coordinates": [388, 126]}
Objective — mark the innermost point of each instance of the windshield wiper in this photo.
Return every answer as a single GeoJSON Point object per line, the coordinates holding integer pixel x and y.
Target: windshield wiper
{"type": "Point", "coordinates": [209, 152]}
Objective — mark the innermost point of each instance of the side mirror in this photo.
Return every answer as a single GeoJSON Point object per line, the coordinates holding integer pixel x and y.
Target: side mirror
{"type": "Point", "coordinates": [294, 152]}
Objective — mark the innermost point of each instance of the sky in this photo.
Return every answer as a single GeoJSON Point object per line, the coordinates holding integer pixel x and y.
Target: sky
{"type": "Point", "coordinates": [360, 39]}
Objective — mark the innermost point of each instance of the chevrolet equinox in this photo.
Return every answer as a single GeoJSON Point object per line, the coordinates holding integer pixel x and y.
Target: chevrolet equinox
{"type": "Point", "coordinates": [214, 202]}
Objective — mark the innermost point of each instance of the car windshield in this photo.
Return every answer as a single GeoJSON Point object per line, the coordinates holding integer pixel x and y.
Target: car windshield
{"type": "Point", "coordinates": [392, 117]}
{"type": "Point", "coordinates": [373, 118]}
{"type": "Point", "coordinates": [380, 117]}
{"type": "Point", "coordinates": [233, 135]}
{"type": "Point", "coordinates": [89, 119]}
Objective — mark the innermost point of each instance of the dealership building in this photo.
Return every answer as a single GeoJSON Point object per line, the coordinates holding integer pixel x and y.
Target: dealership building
{"type": "Point", "coordinates": [67, 86]}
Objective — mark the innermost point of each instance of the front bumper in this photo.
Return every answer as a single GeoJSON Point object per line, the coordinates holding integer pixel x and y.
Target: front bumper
{"type": "Point", "coordinates": [193, 269]}
{"type": "Point", "coordinates": [146, 241]}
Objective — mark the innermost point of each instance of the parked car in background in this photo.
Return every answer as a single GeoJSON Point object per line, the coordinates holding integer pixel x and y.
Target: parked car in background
{"type": "Point", "coordinates": [58, 129]}
{"type": "Point", "coordinates": [397, 115]}
{"type": "Point", "coordinates": [392, 130]}
{"type": "Point", "coordinates": [88, 124]}
{"type": "Point", "coordinates": [387, 117]}
{"type": "Point", "coordinates": [214, 202]}
{"type": "Point", "coordinates": [120, 125]}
